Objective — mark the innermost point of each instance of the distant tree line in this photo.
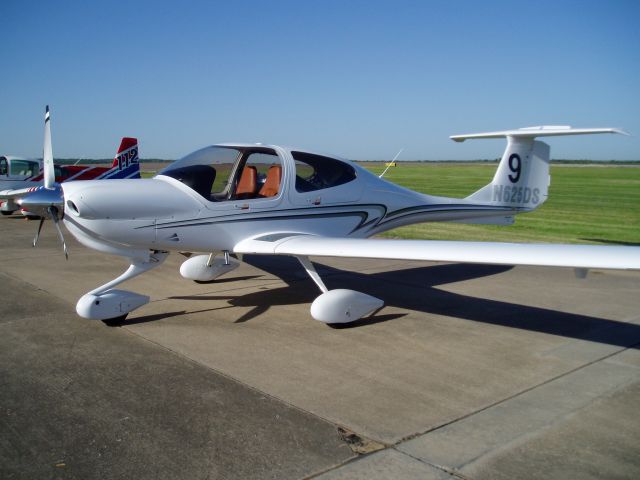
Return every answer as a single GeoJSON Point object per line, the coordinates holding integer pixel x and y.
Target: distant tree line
{"type": "Point", "coordinates": [88, 161]}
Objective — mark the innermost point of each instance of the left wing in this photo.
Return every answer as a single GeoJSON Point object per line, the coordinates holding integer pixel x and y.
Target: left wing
{"type": "Point", "coordinates": [551, 255]}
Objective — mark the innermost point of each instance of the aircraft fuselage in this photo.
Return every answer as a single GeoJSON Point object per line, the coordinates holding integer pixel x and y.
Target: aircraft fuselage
{"type": "Point", "coordinates": [165, 213]}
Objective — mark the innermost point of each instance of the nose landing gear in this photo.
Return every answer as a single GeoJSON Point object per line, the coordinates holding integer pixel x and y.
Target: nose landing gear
{"type": "Point", "coordinates": [111, 305]}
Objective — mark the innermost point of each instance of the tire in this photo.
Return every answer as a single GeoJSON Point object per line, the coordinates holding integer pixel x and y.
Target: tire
{"type": "Point", "coordinates": [115, 321]}
{"type": "Point", "coordinates": [5, 212]}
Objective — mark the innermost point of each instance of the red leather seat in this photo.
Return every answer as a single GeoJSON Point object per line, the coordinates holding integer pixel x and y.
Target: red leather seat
{"type": "Point", "coordinates": [272, 182]}
{"type": "Point", "coordinates": [248, 183]}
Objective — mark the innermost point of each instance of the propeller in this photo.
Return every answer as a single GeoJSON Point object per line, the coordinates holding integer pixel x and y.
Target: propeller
{"type": "Point", "coordinates": [48, 200]}
{"type": "Point", "coordinates": [47, 152]}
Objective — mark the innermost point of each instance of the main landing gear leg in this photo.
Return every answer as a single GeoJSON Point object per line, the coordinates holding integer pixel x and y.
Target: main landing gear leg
{"type": "Point", "coordinates": [113, 306]}
{"type": "Point", "coordinates": [339, 305]}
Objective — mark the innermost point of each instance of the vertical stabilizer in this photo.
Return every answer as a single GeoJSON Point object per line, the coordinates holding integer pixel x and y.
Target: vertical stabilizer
{"type": "Point", "coordinates": [522, 178]}
{"type": "Point", "coordinates": [126, 163]}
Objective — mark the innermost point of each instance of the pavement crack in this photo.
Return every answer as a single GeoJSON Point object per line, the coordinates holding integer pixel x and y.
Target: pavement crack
{"type": "Point", "coordinates": [450, 470]}
{"type": "Point", "coordinates": [358, 444]}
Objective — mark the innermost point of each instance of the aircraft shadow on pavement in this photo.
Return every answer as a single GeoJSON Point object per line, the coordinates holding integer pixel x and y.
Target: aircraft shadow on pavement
{"type": "Point", "coordinates": [414, 289]}
{"type": "Point", "coordinates": [228, 279]}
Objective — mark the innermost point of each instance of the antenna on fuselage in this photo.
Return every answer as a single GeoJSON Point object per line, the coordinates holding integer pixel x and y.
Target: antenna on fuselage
{"type": "Point", "coordinates": [392, 163]}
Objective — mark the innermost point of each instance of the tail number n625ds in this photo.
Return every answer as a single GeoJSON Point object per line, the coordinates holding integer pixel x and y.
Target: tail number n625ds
{"type": "Point", "coordinates": [519, 195]}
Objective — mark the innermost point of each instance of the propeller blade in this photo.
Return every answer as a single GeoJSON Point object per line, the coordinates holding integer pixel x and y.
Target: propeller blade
{"type": "Point", "coordinates": [35, 239]}
{"type": "Point", "coordinates": [47, 154]}
{"type": "Point", "coordinates": [53, 211]}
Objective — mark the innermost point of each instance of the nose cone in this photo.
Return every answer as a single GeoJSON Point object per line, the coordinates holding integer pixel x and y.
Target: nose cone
{"type": "Point", "coordinates": [39, 201]}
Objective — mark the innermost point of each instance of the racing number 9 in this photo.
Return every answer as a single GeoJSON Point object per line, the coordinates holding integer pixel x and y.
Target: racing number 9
{"type": "Point", "coordinates": [515, 165]}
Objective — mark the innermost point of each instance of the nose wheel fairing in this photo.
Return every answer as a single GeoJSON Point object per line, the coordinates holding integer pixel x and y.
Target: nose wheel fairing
{"type": "Point", "coordinates": [105, 302]}
{"type": "Point", "coordinates": [112, 304]}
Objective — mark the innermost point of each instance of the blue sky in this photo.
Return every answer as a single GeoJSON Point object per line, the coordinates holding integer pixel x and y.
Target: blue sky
{"type": "Point", "coordinates": [361, 79]}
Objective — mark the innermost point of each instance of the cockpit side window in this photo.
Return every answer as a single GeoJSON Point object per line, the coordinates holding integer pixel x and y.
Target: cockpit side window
{"type": "Point", "coordinates": [315, 172]}
{"type": "Point", "coordinates": [23, 168]}
{"type": "Point", "coordinates": [260, 176]}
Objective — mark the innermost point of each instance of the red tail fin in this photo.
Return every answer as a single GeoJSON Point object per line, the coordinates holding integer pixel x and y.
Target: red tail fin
{"type": "Point", "coordinates": [127, 152]}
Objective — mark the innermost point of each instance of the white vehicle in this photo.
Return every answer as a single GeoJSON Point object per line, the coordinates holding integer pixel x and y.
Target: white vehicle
{"type": "Point", "coordinates": [271, 200]}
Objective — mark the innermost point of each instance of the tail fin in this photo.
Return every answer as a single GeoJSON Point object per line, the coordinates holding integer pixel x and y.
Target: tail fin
{"type": "Point", "coordinates": [522, 178]}
{"type": "Point", "coordinates": [126, 163]}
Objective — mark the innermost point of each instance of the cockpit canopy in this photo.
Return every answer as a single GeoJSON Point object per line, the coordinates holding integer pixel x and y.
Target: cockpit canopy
{"type": "Point", "coordinates": [226, 173]}
{"type": "Point", "coordinates": [222, 172]}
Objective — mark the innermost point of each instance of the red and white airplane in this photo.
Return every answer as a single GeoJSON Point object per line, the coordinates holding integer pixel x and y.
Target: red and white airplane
{"type": "Point", "coordinates": [19, 176]}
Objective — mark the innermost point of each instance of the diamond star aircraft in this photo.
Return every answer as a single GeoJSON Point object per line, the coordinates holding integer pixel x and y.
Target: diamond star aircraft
{"type": "Point", "coordinates": [227, 200]}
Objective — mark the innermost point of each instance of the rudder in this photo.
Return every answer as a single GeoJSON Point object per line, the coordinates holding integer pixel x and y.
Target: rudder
{"type": "Point", "coordinates": [126, 163]}
{"type": "Point", "coordinates": [522, 178]}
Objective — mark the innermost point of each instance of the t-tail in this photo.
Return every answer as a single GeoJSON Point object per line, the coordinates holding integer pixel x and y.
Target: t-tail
{"type": "Point", "coordinates": [522, 178]}
{"type": "Point", "coordinates": [126, 163]}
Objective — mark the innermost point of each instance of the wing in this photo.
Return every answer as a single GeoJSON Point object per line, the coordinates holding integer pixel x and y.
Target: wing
{"type": "Point", "coordinates": [552, 255]}
{"type": "Point", "coordinates": [9, 194]}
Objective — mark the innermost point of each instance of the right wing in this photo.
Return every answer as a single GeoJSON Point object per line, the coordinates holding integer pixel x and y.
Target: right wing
{"type": "Point", "coordinates": [19, 192]}
{"type": "Point", "coordinates": [550, 255]}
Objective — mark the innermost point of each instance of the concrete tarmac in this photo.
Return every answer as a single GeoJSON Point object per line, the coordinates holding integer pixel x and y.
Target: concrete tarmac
{"type": "Point", "coordinates": [472, 371]}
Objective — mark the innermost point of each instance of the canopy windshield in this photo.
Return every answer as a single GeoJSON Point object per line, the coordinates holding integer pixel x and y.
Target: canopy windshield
{"type": "Point", "coordinates": [205, 156]}
{"type": "Point", "coordinates": [227, 173]}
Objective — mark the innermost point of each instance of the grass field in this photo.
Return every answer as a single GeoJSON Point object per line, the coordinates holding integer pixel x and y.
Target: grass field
{"type": "Point", "coordinates": [586, 204]}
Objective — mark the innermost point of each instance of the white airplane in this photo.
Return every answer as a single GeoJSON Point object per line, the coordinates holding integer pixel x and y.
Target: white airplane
{"type": "Point", "coordinates": [270, 200]}
{"type": "Point", "coordinates": [16, 173]}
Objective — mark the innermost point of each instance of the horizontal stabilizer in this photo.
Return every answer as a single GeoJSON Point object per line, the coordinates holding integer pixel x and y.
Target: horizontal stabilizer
{"type": "Point", "coordinates": [522, 178]}
{"type": "Point", "coordinates": [533, 132]}
{"type": "Point", "coordinates": [547, 255]}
